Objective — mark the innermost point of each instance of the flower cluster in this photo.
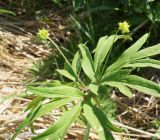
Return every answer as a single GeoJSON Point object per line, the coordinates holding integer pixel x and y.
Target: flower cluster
{"type": "Point", "coordinates": [43, 35]}
{"type": "Point", "coordinates": [124, 27]}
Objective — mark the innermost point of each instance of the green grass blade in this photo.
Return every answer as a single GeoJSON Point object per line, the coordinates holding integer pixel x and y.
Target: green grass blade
{"type": "Point", "coordinates": [3, 11]}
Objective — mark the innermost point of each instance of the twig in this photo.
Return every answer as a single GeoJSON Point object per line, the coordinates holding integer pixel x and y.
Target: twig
{"type": "Point", "coordinates": [136, 130]}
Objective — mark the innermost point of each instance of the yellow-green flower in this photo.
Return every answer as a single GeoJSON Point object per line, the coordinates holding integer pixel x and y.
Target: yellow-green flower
{"type": "Point", "coordinates": [43, 34]}
{"type": "Point", "coordinates": [124, 27]}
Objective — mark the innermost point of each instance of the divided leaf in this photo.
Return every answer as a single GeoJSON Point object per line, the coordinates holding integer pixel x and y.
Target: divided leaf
{"type": "Point", "coordinates": [138, 83]}
{"type": "Point", "coordinates": [60, 91]}
{"type": "Point", "coordinates": [147, 52]}
{"type": "Point", "coordinates": [40, 110]}
{"type": "Point", "coordinates": [127, 56]}
{"type": "Point", "coordinates": [58, 130]}
{"type": "Point", "coordinates": [103, 47]}
{"type": "Point", "coordinates": [145, 63]}
{"type": "Point", "coordinates": [99, 121]}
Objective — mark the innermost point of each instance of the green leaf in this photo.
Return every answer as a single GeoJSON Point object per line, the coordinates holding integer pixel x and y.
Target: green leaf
{"type": "Point", "coordinates": [45, 108]}
{"type": "Point", "coordinates": [140, 84]}
{"type": "Point", "coordinates": [122, 88]}
{"type": "Point", "coordinates": [27, 121]}
{"type": "Point", "coordinates": [87, 62]}
{"type": "Point", "coordinates": [99, 121]}
{"type": "Point", "coordinates": [103, 47]}
{"type": "Point", "coordinates": [40, 110]}
{"type": "Point", "coordinates": [66, 74]}
{"type": "Point", "coordinates": [145, 63]}
{"type": "Point", "coordinates": [34, 102]}
{"type": "Point", "coordinates": [69, 69]}
{"type": "Point", "coordinates": [76, 62]}
{"type": "Point", "coordinates": [3, 11]}
{"type": "Point", "coordinates": [143, 85]}
{"type": "Point", "coordinates": [147, 52]}
{"type": "Point", "coordinates": [117, 74]}
{"type": "Point", "coordinates": [60, 91]}
{"type": "Point", "coordinates": [58, 130]}
{"type": "Point", "coordinates": [127, 56]}
{"type": "Point", "coordinates": [94, 88]}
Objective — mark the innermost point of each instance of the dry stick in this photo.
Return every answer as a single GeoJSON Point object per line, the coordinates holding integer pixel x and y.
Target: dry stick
{"type": "Point", "coordinates": [138, 27]}
{"type": "Point", "coordinates": [136, 130]}
{"type": "Point", "coordinates": [132, 135]}
{"type": "Point", "coordinates": [131, 109]}
{"type": "Point", "coordinates": [10, 83]}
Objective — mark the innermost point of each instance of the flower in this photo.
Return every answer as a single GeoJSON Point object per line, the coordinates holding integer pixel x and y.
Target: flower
{"type": "Point", "coordinates": [124, 27]}
{"type": "Point", "coordinates": [42, 34]}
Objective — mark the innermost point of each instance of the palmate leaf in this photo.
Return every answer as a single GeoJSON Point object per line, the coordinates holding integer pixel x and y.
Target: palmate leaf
{"type": "Point", "coordinates": [60, 92]}
{"type": "Point", "coordinates": [103, 47]}
{"type": "Point", "coordinates": [87, 62]}
{"type": "Point", "coordinates": [40, 110]}
{"type": "Point", "coordinates": [45, 108]}
{"type": "Point", "coordinates": [127, 56]}
{"type": "Point", "coordinates": [145, 63]}
{"type": "Point", "coordinates": [58, 130]}
{"type": "Point", "coordinates": [99, 121]}
{"type": "Point", "coordinates": [140, 84]}
{"type": "Point", "coordinates": [26, 121]}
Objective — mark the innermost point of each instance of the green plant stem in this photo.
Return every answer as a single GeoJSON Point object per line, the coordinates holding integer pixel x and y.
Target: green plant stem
{"type": "Point", "coordinates": [63, 56]}
{"type": "Point", "coordinates": [86, 132]}
{"type": "Point", "coordinates": [59, 50]}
